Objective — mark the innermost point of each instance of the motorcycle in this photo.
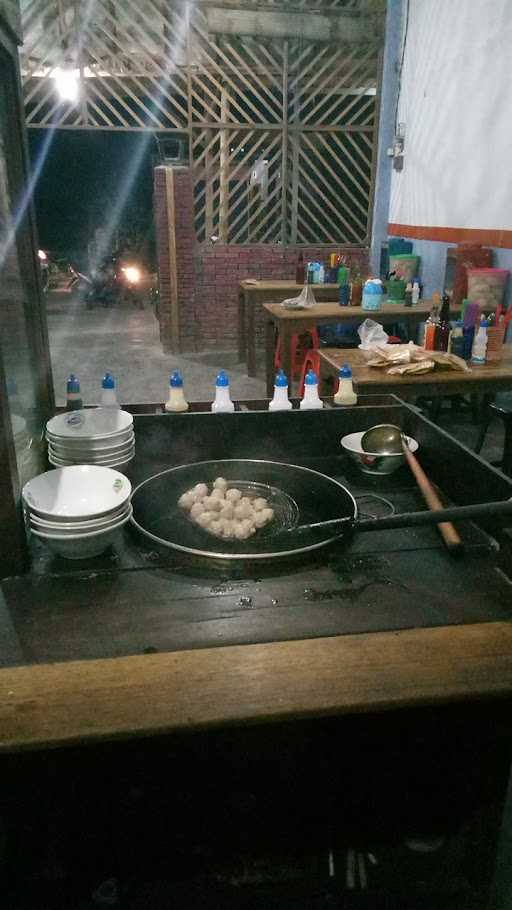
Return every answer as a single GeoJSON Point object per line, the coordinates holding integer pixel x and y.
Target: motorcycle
{"type": "Point", "coordinates": [111, 283]}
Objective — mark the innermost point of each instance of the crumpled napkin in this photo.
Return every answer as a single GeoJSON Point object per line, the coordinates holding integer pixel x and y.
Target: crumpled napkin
{"type": "Point", "coordinates": [409, 358]}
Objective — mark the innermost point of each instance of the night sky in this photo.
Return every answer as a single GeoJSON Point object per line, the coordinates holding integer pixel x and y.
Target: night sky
{"type": "Point", "coordinates": [82, 179]}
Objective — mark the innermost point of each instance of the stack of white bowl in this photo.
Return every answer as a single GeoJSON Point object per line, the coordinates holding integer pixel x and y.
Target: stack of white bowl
{"type": "Point", "coordinates": [102, 436]}
{"type": "Point", "coordinates": [77, 510]}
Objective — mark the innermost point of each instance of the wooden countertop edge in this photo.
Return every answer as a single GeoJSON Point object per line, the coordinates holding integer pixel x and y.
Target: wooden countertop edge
{"type": "Point", "coordinates": [50, 705]}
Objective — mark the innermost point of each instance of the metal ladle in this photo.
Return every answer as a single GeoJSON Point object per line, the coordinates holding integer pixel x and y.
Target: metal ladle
{"type": "Point", "coordinates": [388, 439]}
{"type": "Point", "coordinates": [383, 439]}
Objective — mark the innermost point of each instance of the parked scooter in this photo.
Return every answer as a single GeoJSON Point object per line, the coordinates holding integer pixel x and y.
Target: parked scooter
{"type": "Point", "coordinates": [111, 283]}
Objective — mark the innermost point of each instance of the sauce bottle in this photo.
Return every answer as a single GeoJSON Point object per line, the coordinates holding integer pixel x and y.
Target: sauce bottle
{"type": "Point", "coordinates": [345, 394]}
{"type": "Point", "coordinates": [280, 401]}
{"type": "Point", "coordinates": [443, 328]}
{"type": "Point", "coordinates": [431, 323]}
{"type": "Point", "coordinates": [311, 400]}
{"type": "Point", "coordinates": [108, 392]}
{"type": "Point", "coordinates": [176, 400]}
{"type": "Point", "coordinates": [222, 401]}
{"type": "Point", "coordinates": [73, 395]}
{"type": "Point", "coordinates": [480, 342]}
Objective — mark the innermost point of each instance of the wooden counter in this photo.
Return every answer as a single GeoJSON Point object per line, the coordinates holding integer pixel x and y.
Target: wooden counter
{"type": "Point", "coordinates": [77, 702]}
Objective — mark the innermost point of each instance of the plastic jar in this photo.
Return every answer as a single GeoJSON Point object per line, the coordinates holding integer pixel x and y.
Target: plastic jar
{"type": "Point", "coordinates": [487, 286]}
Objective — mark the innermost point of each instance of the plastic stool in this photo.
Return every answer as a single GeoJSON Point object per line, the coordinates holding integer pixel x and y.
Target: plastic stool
{"type": "Point", "coordinates": [296, 351]}
{"type": "Point", "coordinates": [506, 415]}
{"type": "Point", "coordinates": [311, 362]}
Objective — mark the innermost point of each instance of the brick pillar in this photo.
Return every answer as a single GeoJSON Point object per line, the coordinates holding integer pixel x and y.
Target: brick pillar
{"type": "Point", "coordinates": [175, 238]}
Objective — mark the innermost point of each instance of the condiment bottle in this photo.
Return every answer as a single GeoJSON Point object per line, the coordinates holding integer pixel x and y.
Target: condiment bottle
{"type": "Point", "coordinates": [408, 294]}
{"type": "Point", "coordinates": [457, 339]}
{"type": "Point", "coordinates": [311, 400]}
{"type": "Point", "coordinates": [415, 291]}
{"type": "Point", "coordinates": [300, 271]}
{"type": "Point", "coordinates": [73, 395]}
{"type": "Point", "coordinates": [321, 274]}
{"type": "Point", "coordinates": [222, 398]}
{"type": "Point", "coordinates": [342, 275]}
{"type": "Point", "coordinates": [345, 394]}
{"type": "Point", "coordinates": [108, 392]}
{"type": "Point", "coordinates": [480, 343]}
{"type": "Point", "coordinates": [280, 401]}
{"type": "Point", "coordinates": [176, 400]}
{"type": "Point", "coordinates": [442, 335]}
{"type": "Point", "coordinates": [430, 327]}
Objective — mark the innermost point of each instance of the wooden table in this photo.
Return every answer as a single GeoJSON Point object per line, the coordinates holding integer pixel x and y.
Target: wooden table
{"type": "Point", "coordinates": [487, 378]}
{"type": "Point", "coordinates": [292, 322]}
{"type": "Point", "coordinates": [251, 294]}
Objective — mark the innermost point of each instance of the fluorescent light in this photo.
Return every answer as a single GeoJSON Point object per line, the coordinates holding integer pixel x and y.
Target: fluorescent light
{"type": "Point", "coordinates": [66, 83]}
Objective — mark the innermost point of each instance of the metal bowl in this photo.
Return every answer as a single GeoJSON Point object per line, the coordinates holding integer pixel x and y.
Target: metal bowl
{"type": "Point", "coordinates": [373, 463]}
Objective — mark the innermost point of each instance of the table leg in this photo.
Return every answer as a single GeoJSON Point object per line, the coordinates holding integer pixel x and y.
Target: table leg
{"type": "Point", "coordinates": [242, 339]}
{"type": "Point", "coordinates": [251, 335]}
{"type": "Point", "coordinates": [269, 356]}
{"type": "Point", "coordinates": [286, 352]}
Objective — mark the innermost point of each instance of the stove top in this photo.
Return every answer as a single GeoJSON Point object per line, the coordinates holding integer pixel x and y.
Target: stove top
{"type": "Point", "coordinates": [137, 599]}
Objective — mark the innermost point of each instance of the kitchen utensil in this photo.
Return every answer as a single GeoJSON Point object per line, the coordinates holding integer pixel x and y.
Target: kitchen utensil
{"type": "Point", "coordinates": [373, 462]}
{"type": "Point", "coordinates": [383, 439]}
{"type": "Point", "coordinates": [446, 529]}
{"type": "Point", "coordinates": [314, 498]}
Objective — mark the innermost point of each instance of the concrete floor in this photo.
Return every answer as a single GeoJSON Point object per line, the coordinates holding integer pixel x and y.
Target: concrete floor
{"type": "Point", "coordinates": [126, 341]}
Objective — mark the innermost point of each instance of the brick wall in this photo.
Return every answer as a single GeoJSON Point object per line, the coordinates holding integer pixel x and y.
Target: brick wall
{"type": "Point", "coordinates": [208, 275]}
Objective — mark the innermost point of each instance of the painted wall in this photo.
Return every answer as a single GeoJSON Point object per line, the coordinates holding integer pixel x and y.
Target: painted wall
{"type": "Point", "coordinates": [458, 145]}
{"type": "Point", "coordinates": [455, 103]}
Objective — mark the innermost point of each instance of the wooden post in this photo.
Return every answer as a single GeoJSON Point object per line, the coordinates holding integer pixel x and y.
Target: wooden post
{"type": "Point", "coordinates": [284, 159]}
{"type": "Point", "coordinates": [224, 169]}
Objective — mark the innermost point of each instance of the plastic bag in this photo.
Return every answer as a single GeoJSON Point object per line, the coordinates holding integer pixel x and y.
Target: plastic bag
{"type": "Point", "coordinates": [371, 334]}
{"type": "Point", "coordinates": [304, 301]}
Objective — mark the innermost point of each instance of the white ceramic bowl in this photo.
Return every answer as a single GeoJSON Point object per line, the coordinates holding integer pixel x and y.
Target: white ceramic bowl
{"type": "Point", "coordinates": [370, 463]}
{"type": "Point", "coordinates": [92, 445]}
{"type": "Point", "coordinates": [108, 463]}
{"type": "Point", "coordinates": [83, 546]}
{"type": "Point", "coordinates": [79, 491]}
{"type": "Point", "coordinates": [93, 423]}
{"type": "Point", "coordinates": [82, 527]}
{"type": "Point", "coordinates": [84, 447]}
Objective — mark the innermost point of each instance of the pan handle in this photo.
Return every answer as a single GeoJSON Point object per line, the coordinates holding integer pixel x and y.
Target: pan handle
{"type": "Point", "coordinates": [455, 513]}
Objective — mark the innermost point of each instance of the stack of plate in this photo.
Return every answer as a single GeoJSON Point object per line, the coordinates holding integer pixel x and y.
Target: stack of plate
{"type": "Point", "coordinates": [77, 510]}
{"type": "Point", "coordinates": [102, 436]}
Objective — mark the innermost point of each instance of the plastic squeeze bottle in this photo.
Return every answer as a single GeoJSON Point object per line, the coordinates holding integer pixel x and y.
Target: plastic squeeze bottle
{"type": "Point", "coordinates": [108, 392]}
{"type": "Point", "coordinates": [222, 398]}
{"type": "Point", "coordinates": [345, 394]}
{"type": "Point", "coordinates": [73, 395]}
{"type": "Point", "coordinates": [480, 343]}
{"type": "Point", "coordinates": [280, 401]}
{"type": "Point", "coordinates": [176, 400]}
{"type": "Point", "coordinates": [311, 400]}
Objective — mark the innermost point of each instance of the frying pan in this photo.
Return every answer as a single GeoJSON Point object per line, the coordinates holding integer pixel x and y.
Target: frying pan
{"type": "Point", "coordinates": [300, 497]}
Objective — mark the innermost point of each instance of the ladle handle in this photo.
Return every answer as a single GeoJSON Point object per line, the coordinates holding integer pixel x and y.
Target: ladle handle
{"type": "Point", "coordinates": [445, 528]}
{"type": "Point", "coordinates": [454, 513]}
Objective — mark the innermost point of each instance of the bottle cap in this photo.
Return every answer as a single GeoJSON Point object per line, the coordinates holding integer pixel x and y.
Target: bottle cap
{"type": "Point", "coordinates": [345, 372]}
{"type": "Point", "coordinates": [108, 381]}
{"type": "Point", "coordinates": [175, 380]}
{"type": "Point", "coordinates": [311, 378]}
{"type": "Point", "coordinates": [222, 379]}
{"type": "Point", "coordinates": [281, 379]}
{"type": "Point", "coordinates": [73, 384]}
